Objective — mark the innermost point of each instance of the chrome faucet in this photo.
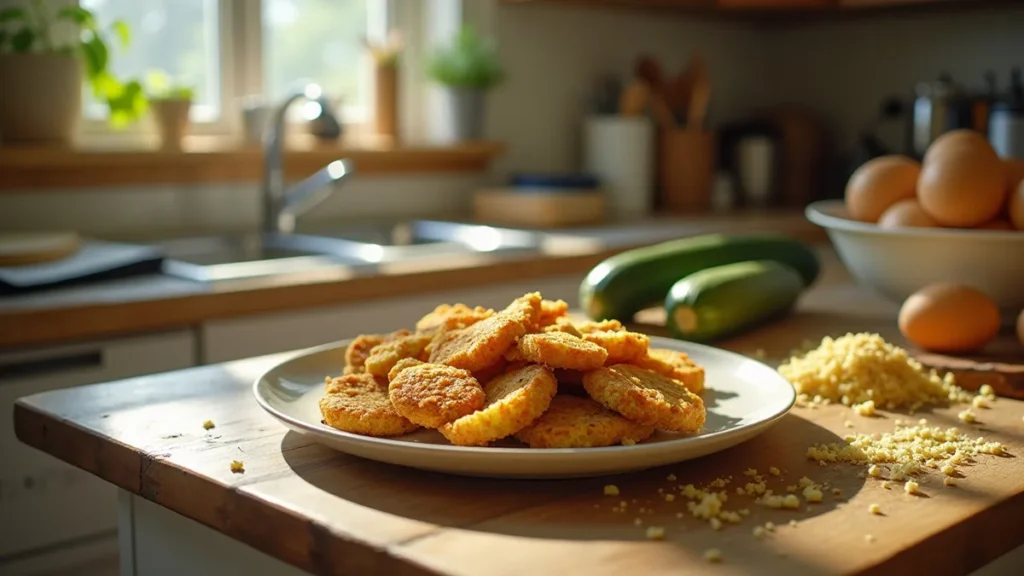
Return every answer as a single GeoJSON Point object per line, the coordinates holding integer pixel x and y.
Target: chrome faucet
{"type": "Point", "coordinates": [280, 206]}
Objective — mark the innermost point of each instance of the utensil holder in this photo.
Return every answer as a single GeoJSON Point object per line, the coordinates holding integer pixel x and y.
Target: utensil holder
{"type": "Point", "coordinates": [385, 110]}
{"type": "Point", "coordinates": [619, 150]}
{"type": "Point", "coordinates": [686, 170]}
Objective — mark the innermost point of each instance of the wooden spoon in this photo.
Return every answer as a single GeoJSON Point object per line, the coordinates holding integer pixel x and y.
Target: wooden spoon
{"type": "Point", "coordinates": [700, 94]}
{"type": "Point", "coordinates": [635, 98]}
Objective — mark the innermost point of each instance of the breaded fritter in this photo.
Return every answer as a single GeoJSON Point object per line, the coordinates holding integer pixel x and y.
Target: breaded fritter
{"type": "Point", "coordinates": [384, 356]}
{"type": "Point", "coordinates": [359, 403]}
{"type": "Point", "coordinates": [432, 395]}
{"type": "Point", "coordinates": [359, 349]}
{"type": "Point", "coordinates": [646, 397]}
{"type": "Point", "coordinates": [563, 324]}
{"type": "Point", "coordinates": [402, 365]}
{"type": "Point", "coordinates": [514, 400]}
{"type": "Point", "coordinates": [600, 326]}
{"type": "Point", "coordinates": [484, 343]}
{"type": "Point", "coordinates": [622, 345]}
{"type": "Point", "coordinates": [561, 350]}
{"type": "Point", "coordinates": [575, 422]}
{"type": "Point", "coordinates": [551, 311]}
{"type": "Point", "coordinates": [452, 317]}
{"type": "Point", "coordinates": [485, 374]}
{"type": "Point", "coordinates": [675, 365]}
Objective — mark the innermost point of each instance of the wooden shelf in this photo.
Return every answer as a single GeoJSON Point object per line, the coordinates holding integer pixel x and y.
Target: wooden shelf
{"type": "Point", "coordinates": [210, 160]}
{"type": "Point", "coordinates": [777, 8]}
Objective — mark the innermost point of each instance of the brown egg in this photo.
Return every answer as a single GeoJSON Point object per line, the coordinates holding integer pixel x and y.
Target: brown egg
{"type": "Point", "coordinates": [949, 318]}
{"type": "Point", "coordinates": [1020, 327]}
{"type": "Point", "coordinates": [878, 184]}
{"type": "Point", "coordinates": [997, 224]}
{"type": "Point", "coordinates": [1014, 171]}
{"type": "Point", "coordinates": [950, 141]}
{"type": "Point", "coordinates": [1016, 204]}
{"type": "Point", "coordinates": [963, 185]}
{"type": "Point", "coordinates": [906, 214]}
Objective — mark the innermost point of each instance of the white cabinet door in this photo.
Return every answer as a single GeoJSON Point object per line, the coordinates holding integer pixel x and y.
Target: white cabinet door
{"type": "Point", "coordinates": [237, 338]}
{"type": "Point", "coordinates": [44, 502]}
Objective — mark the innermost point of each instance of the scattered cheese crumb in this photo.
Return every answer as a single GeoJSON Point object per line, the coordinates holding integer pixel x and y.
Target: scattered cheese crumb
{"type": "Point", "coordinates": [875, 509]}
{"type": "Point", "coordinates": [769, 526]}
{"type": "Point", "coordinates": [948, 469]}
{"type": "Point", "coordinates": [716, 524]}
{"type": "Point", "coordinates": [865, 408]}
{"type": "Point", "coordinates": [628, 442]}
{"type": "Point", "coordinates": [987, 390]}
{"type": "Point", "coordinates": [655, 533]}
{"type": "Point", "coordinates": [805, 482]}
{"type": "Point", "coordinates": [791, 488]}
{"type": "Point", "coordinates": [750, 472]}
{"type": "Point", "coordinates": [759, 532]}
{"type": "Point", "coordinates": [744, 511]}
{"type": "Point", "coordinates": [980, 402]}
{"type": "Point", "coordinates": [237, 466]}
{"type": "Point", "coordinates": [812, 494]}
{"type": "Point", "coordinates": [874, 471]}
{"type": "Point", "coordinates": [713, 555]}
{"type": "Point", "coordinates": [886, 484]}
{"type": "Point", "coordinates": [911, 487]}
{"type": "Point", "coordinates": [637, 521]}
{"type": "Point", "coordinates": [774, 471]}
{"type": "Point", "coordinates": [790, 501]}
{"type": "Point", "coordinates": [966, 415]}
{"type": "Point", "coordinates": [869, 538]}
{"type": "Point", "coordinates": [837, 492]}
{"type": "Point", "coordinates": [671, 477]}
{"type": "Point", "coordinates": [848, 424]}
{"type": "Point", "coordinates": [611, 490]}
{"type": "Point", "coordinates": [670, 497]}
{"type": "Point", "coordinates": [793, 523]}
{"type": "Point", "coordinates": [208, 425]}
{"type": "Point", "coordinates": [949, 481]}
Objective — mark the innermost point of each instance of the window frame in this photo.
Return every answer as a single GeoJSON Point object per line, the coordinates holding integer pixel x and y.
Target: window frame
{"type": "Point", "coordinates": [240, 65]}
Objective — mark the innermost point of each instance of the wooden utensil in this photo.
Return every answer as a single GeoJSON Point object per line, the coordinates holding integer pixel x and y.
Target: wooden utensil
{"type": "Point", "coordinates": [700, 94]}
{"type": "Point", "coordinates": [36, 248]}
{"type": "Point", "coordinates": [662, 113]}
{"type": "Point", "coordinates": [648, 70]}
{"type": "Point", "coordinates": [635, 98]}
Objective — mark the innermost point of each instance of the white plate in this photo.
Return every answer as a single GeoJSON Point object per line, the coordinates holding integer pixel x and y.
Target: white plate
{"type": "Point", "coordinates": [743, 398]}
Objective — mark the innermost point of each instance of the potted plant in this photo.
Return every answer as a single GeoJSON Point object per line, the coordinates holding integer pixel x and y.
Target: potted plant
{"type": "Point", "coordinates": [170, 103]}
{"type": "Point", "coordinates": [41, 73]}
{"type": "Point", "coordinates": [467, 68]}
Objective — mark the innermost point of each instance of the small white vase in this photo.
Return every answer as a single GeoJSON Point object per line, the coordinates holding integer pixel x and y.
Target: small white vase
{"type": "Point", "coordinates": [171, 117]}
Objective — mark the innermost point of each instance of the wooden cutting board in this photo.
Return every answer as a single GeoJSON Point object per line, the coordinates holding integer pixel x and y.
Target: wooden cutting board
{"type": "Point", "coordinates": [1001, 366]}
{"type": "Point", "coordinates": [36, 248]}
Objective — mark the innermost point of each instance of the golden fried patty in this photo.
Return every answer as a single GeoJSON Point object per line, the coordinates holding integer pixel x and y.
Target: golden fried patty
{"type": "Point", "coordinates": [484, 343]}
{"type": "Point", "coordinates": [561, 350]}
{"type": "Point", "coordinates": [359, 403]}
{"type": "Point", "coordinates": [432, 395]}
{"type": "Point", "coordinates": [621, 344]}
{"type": "Point", "coordinates": [675, 365]}
{"type": "Point", "coordinates": [360, 348]}
{"type": "Point", "coordinates": [514, 400]}
{"type": "Point", "coordinates": [646, 397]}
{"type": "Point", "coordinates": [384, 356]}
{"type": "Point", "coordinates": [452, 317]}
{"type": "Point", "coordinates": [551, 311]}
{"type": "Point", "coordinates": [574, 422]}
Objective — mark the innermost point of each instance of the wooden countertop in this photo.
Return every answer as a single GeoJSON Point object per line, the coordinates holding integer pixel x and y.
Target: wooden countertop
{"type": "Point", "coordinates": [329, 513]}
{"type": "Point", "coordinates": [160, 302]}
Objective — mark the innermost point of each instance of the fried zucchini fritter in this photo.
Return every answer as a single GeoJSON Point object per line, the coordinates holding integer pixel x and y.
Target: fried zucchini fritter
{"type": "Point", "coordinates": [646, 397]}
{"type": "Point", "coordinates": [402, 365]}
{"type": "Point", "coordinates": [384, 356]}
{"type": "Point", "coordinates": [485, 342]}
{"type": "Point", "coordinates": [514, 400]}
{"type": "Point", "coordinates": [359, 349]}
{"type": "Point", "coordinates": [452, 317]}
{"type": "Point", "coordinates": [432, 395]}
{"type": "Point", "coordinates": [622, 345]}
{"type": "Point", "coordinates": [574, 422]}
{"type": "Point", "coordinates": [551, 311]}
{"type": "Point", "coordinates": [359, 403]}
{"type": "Point", "coordinates": [675, 365]}
{"type": "Point", "coordinates": [561, 350]}
{"type": "Point", "coordinates": [564, 324]}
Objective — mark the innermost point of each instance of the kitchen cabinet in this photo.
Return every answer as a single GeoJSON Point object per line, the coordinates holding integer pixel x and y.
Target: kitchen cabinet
{"type": "Point", "coordinates": [780, 7]}
{"type": "Point", "coordinates": [55, 514]}
{"type": "Point", "coordinates": [237, 338]}
{"type": "Point", "coordinates": [766, 4]}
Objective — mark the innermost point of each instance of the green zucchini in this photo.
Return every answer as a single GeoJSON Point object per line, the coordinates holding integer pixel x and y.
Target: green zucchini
{"type": "Point", "coordinates": [724, 300]}
{"type": "Point", "coordinates": [628, 282]}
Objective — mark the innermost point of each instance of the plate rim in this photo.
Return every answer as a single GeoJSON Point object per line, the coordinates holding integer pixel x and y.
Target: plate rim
{"type": "Point", "coordinates": [503, 451]}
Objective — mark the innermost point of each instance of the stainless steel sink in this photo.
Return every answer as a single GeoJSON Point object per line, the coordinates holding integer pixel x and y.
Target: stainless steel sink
{"type": "Point", "coordinates": [357, 246]}
{"type": "Point", "coordinates": [216, 258]}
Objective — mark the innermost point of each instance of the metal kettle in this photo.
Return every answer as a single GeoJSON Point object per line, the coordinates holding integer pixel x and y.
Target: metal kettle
{"type": "Point", "coordinates": [939, 106]}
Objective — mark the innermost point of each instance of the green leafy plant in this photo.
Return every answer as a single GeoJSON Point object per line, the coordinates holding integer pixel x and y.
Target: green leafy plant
{"type": "Point", "coordinates": [468, 62]}
{"type": "Point", "coordinates": [30, 29]}
{"type": "Point", "coordinates": [159, 86]}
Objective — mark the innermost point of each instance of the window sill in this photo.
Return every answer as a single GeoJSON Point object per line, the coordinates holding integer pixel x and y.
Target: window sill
{"type": "Point", "coordinates": [209, 159]}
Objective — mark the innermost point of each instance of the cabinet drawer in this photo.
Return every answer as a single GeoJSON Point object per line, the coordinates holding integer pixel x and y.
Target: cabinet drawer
{"type": "Point", "coordinates": [42, 500]}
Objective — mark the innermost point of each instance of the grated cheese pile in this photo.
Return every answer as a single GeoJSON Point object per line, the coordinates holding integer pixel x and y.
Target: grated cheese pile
{"type": "Point", "coordinates": [907, 450]}
{"type": "Point", "coordinates": [866, 372]}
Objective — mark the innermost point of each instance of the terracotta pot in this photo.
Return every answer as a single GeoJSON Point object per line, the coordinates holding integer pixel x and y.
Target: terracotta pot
{"type": "Point", "coordinates": [40, 98]}
{"type": "Point", "coordinates": [171, 116]}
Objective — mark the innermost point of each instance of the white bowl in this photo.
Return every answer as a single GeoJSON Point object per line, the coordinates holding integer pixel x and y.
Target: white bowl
{"type": "Point", "coordinates": [897, 263]}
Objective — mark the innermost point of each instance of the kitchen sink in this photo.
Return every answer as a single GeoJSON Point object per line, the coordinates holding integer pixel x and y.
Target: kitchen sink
{"type": "Point", "coordinates": [362, 245]}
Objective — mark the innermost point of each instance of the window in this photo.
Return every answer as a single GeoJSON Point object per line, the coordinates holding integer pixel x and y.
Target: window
{"type": "Point", "coordinates": [229, 49]}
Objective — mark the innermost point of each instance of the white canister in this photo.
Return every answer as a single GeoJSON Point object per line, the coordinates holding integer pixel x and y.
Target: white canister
{"type": "Point", "coordinates": [620, 151]}
{"type": "Point", "coordinates": [1006, 131]}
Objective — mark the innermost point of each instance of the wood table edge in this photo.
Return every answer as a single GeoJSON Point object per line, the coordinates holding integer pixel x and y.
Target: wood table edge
{"type": "Point", "coordinates": [328, 552]}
